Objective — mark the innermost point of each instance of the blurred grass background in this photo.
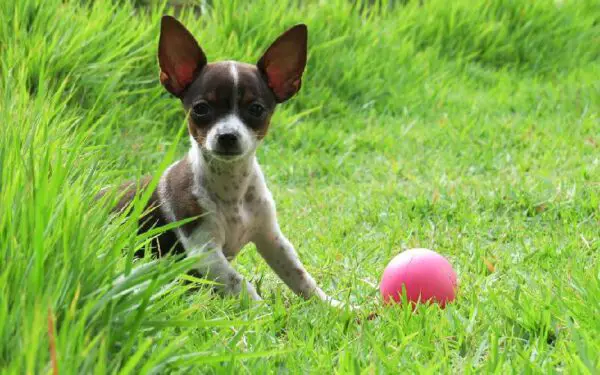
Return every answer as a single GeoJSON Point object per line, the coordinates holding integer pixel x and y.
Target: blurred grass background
{"type": "Point", "coordinates": [469, 127]}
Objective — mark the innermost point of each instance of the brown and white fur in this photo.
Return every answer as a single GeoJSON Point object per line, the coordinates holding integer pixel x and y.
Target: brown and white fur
{"type": "Point", "coordinates": [229, 105]}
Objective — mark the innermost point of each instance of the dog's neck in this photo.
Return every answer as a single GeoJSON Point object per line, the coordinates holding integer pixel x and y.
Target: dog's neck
{"type": "Point", "coordinates": [227, 180]}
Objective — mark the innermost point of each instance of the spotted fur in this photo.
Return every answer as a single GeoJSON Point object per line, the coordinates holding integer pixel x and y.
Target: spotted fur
{"type": "Point", "coordinates": [219, 182]}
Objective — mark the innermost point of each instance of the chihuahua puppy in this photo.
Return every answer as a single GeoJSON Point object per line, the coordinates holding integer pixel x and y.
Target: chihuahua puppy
{"type": "Point", "coordinates": [219, 182]}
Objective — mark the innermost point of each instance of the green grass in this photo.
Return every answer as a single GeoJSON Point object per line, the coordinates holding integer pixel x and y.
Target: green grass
{"type": "Point", "coordinates": [471, 128]}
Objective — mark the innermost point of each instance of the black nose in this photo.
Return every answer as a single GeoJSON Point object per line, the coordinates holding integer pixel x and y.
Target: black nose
{"type": "Point", "coordinates": [228, 141]}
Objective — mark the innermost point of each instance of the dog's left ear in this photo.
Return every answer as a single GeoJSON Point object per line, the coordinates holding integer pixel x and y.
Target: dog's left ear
{"type": "Point", "coordinates": [284, 62]}
{"type": "Point", "coordinates": [179, 56]}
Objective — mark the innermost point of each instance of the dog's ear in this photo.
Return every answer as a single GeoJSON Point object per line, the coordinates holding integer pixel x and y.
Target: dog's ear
{"type": "Point", "coordinates": [179, 56]}
{"type": "Point", "coordinates": [284, 62]}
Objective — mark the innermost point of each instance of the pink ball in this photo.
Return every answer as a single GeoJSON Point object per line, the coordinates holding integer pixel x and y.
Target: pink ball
{"type": "Point", "coordinates": [426, 275]}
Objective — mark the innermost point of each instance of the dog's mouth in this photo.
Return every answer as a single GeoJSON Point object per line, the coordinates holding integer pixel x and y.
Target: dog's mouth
{"type": "Point", "coordinates": [227, 153]}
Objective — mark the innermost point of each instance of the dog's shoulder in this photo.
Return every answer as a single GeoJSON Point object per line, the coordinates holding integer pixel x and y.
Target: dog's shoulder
{"type": "Point", "coordinates": [259, 202]}
{"type": "Point", "coordinates": [178, 195]}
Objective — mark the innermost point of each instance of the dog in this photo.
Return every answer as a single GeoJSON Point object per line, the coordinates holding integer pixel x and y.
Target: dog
{"type": "Point", "coordinates": [219, 182]}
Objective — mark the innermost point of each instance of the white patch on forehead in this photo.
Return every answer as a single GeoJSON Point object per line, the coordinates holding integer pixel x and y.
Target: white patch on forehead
{"type": "Point", "coordinates": [234, 74]}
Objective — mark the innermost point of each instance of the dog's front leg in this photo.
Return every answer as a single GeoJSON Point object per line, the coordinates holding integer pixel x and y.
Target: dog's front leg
{"type": "Point", "coordinates": [214, 266]}
{"type": "Point", "coordinates": [281, 256]}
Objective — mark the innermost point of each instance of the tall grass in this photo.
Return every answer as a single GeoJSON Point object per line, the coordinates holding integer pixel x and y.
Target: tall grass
{"type": "Point", "coordinates": [470, 127]}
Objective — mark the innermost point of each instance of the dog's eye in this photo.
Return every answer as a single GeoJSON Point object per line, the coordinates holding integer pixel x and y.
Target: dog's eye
{"type": "Point", "coordinates": [201, 109]}
{"type": "Point", "coordinates": [256, 110]}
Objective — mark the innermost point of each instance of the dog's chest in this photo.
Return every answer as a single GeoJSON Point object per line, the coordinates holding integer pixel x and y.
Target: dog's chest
{"type": "Point", "coordinates": [234, 212]}
{"type": "Point", "coordinates": [235, 224]}
{"type": "Point", "coordinates": [229, 226]}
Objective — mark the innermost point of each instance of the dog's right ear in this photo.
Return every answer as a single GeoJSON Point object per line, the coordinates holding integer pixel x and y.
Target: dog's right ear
{"type": "Point", "coordinates": [179, 56]}
{"type": "Point", "coordinates": [283, 63]}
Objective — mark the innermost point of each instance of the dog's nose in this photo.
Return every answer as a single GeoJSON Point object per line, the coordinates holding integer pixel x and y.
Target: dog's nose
{"type": "Point", "coordinates": [228, 141]}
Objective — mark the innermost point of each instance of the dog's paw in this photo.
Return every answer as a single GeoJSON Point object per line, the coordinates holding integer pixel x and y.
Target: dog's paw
{"type": "Point", "coordinates": [342, 305]}
{"type": "Point", "coordinates": [252, 293]}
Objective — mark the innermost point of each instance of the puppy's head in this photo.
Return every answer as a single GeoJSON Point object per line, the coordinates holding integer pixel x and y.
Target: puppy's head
{"type": "Point", "coordinates": [229, 103]}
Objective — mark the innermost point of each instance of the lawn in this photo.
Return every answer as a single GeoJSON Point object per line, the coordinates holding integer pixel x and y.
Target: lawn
{"type": "Point", "coordinates": [468, 127]}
